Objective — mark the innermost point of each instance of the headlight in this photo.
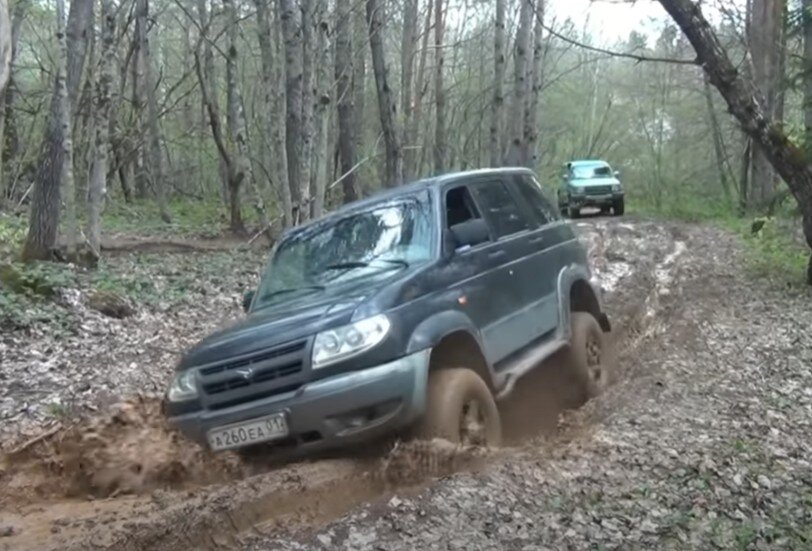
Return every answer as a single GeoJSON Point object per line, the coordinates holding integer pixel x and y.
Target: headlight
{"type": "Point", "coordinates": [615, 187]}
{"type": "Point", "coordinates": [183, 387]}
{"type": "Point", "coordinates": [338, 344]}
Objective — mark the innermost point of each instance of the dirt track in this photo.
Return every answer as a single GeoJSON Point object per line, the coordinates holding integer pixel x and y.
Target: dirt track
{"type": "Point", "coordinates": [708, 420]}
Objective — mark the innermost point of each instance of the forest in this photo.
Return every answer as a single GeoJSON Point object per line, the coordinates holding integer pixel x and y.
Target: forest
{"type": "Point", "coordinates": [266, 114]}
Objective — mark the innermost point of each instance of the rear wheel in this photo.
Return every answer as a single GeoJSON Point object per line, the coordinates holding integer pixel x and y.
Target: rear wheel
{"type": "Point", "coordinates": [587, 354]}
{"type": "Point", "coordinates": [574, 212]}
{"type": "Point", "coordinates": [618, 207]}
{"type": "Point", "coordinates": [460, 409]}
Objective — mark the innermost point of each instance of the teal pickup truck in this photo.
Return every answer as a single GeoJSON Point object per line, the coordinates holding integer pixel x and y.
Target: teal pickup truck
{"type": "Point", "coordinates": [590, 184]}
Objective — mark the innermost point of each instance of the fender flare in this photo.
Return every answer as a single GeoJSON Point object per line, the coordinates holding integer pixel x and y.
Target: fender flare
{"type": "Point", "coordinates": [567, 277]}
{"type": "Point", "coordinates": [433, 329]}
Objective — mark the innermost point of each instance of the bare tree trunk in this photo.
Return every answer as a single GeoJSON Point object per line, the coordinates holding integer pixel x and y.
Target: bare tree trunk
{"type": "Point", "coordinates": [807, 30]}
{"type": "Point", "coordinates": [156, 171]}
{"type": "Point", "coordinates": [5, 45]}
{"type": "Point", "coordinates": [520, 84]}
{"type": "Point", "coordinates": [97, 187]}
{"type": "Point", "coordinates": [766, 39]}
{"type": "Point", "coordinates": [65, 110]}
{"type": "Point", "coordinates": [498, 101]}
{"type": "Point", "coordinates": [745, 103]}
{"type": "Point", "coordinates": [5, 75]}
{"type": "Point", "coordinates": [530, 146]}
{"type": "Point", "coordinates": [344, 98]}
{"type": "Point", "coordinates": [359, 76]}
{"type": "Point", "coordinates": [718, 146]}
{"type": "Point", "coordinates": [43, 222]}
{"type": "Point", "coordinates": [306, 161]}
{"type": "Point", "coordinates": [407, 51]}
{"type": "Point", "coordinates": [273, 99]}
{"type": "Point", "coordinates": [321, 109]}
{"type": "Point", "coordinates": [440, 145]}
{"type": "Point", "coordinates": [237, 174]}
{"type": "Point", "coordinates": [387, 106]}
{"type": "Point", "coordinates": [420, 92]}
{"type": "Point", "coordinates": [292, 37]}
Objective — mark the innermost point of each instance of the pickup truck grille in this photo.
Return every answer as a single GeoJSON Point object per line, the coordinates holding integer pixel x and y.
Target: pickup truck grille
{"type": "Point", "coordinates": [264, 373]}
{"type": "Point", "coordinates": [598, 190]}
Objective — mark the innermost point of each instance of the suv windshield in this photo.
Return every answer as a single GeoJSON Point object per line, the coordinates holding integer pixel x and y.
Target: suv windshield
{"type": "Point", "coordinates": [386, 238]}
{"type": "Point", "coordinates": [593, 171]}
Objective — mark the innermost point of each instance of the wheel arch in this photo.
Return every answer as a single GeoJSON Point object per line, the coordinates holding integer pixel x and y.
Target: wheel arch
{"type": "Point", "coordinates": [455, 342]}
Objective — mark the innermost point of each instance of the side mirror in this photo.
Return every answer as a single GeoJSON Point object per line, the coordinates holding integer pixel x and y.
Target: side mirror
{"type": "Point", "coordinates": [617, 174]}
{"type": "Point", "coordinates": [247, 299]}
{"type": "Point", "coordinates": [470, 233]}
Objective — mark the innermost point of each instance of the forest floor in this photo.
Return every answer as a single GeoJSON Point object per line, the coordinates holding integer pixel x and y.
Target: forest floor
{"type": "Point", "coordinates": [702, 441]}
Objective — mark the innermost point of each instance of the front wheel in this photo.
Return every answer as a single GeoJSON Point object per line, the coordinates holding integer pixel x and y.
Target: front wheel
{"type": "Point", "coordinates": [618, 207]}
{"type": "Point", "coordinates": [574, 212]}
{"type": "Point", "coordinates": [460, 409]}
{"type": "Point", "coordinates": [586, 353]}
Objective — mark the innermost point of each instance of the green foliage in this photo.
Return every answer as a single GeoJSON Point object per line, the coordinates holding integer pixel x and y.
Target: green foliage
{"type": "Point", "coordinates": [12, 234]}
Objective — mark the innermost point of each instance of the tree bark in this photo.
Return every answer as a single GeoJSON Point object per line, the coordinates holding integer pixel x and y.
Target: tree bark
{"type": "Point", "coordinates": [806, 19]}
{"type": "Point", "coordinates": [156, 172]}
{"type": "Point", "coordinates": [520, 81]}
{"type": "Point", "coordinates": [359, 76]}
{"type": "Point", "coordinates": [420, 92]}
{"type": "Point", "coordinates": [236, 176]}
{"type": "Point", "coordinates": [5, 45]}
{"type": "Point", "coordinates": [766, 37]}
{"type": "Point", "coordinates": [43, 224]}
{"type": "Point", "coordinates": [440, 145]}
{"type": "Point", "coordinates": [387, 107]}
{"type": "Point", "coordinates": [292, 37]}
{"type": "Point", "coordinates": [321, 109]}
{"type": "Point", "coordinates": [273, 99]}
{"type": "Point", "coordinates": [498, 100]}
{"type": "Point", "coordinates": [344, 98]}
{"type": "Point", "coordinates": [530, 145]}
{"type": "Point", "coordinates": [65, 109]}
{"type": "Point", "coordinates": [746, 103]}
{"type": "Point", "coordinates": [407, 51]}
{"type": "Point", "coordinates": [97, 187]}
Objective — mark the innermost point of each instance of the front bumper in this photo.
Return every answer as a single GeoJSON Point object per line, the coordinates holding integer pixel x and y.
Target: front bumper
{"type": "Point", "coordinates": [605, 200]}
{"type": "Point", "coordinates": [343, 409]}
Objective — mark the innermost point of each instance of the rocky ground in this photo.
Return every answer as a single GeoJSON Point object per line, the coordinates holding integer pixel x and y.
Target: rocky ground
{"type": "Point", "coordinates": [702, 441]}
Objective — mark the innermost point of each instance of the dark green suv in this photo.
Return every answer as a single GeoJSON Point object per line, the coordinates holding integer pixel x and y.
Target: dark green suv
{"type": "Point", "coordinates": [590, 184]}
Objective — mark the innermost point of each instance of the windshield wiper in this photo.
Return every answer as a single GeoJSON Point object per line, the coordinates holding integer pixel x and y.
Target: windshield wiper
{"type": "Point", "coordinates": [361, 264]}
{"type": "Point", "coordinates": [270, 294]}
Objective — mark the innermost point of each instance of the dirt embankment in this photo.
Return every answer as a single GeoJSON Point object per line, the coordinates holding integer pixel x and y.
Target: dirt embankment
{"type": "Point", "coordinates": [124, 481]}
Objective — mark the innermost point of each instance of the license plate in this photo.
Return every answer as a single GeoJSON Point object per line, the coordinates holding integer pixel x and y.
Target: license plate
{"type": "Point", "coordinates": [237, 435]}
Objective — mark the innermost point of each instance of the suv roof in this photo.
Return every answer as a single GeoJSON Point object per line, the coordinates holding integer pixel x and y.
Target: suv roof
{"type": "Point", "coordinates": [587, 162]}
{"type": "Point", "coordinates": [410, 188]}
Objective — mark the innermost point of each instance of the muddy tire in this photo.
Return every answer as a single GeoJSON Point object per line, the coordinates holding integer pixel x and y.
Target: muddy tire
{"type": "Point", "coordinates": [587, 353]}
{"type": "Point", "coordinates": [619, 207]}
{"type": "Point", "coordinates": [574, 212]}
{"type": "Point", "coordinates": [460, 408]}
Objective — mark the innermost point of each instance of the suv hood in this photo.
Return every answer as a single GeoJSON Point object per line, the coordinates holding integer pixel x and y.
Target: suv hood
{"type": "Point", "coordinates": [590, 182]}
{"type": "Point", "coordinates": [290, 321]}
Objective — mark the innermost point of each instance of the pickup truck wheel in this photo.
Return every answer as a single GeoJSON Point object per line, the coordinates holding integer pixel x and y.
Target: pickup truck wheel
{"type": "Point", "coordinates": [586, 353]}
{"type": "Point", "coordinates": [460, 409]}
{"type": "Point", "coordinates": [618, 207]}
{"type": "Point", "coordinates": [574, 212]}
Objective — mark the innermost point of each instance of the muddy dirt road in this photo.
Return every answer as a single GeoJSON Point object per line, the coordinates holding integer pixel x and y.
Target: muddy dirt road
{"type": "Point", "coordinates": [702, 441]}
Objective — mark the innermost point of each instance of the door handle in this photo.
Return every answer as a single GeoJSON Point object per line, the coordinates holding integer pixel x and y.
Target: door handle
{"type": "Point", "coordinates": [536, 240]}
{"type": "Point", "coordinates": [496, 254]}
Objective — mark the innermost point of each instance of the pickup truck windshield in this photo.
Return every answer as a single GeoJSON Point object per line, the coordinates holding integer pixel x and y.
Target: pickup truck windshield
{"type": "Point", "coordinates": [383, 239]}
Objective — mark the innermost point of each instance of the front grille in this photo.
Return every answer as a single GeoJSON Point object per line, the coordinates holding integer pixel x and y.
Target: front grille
{"type": "Point", "coordinates": [263, 374]}
{"type": "Point", "coordinates": [255, 359]}
{"type": "Point", "coordinates": [598, 190]}
{"type": "Point", "coordinates": [258, 376]}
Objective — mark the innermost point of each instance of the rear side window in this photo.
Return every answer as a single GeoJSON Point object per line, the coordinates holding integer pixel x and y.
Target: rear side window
{"type": "Point", "coordinates": [459, 207]}
{"type": "Point", "coordinates": [500, 209]}
{"type": "Point", "coordinates": [532, 196]}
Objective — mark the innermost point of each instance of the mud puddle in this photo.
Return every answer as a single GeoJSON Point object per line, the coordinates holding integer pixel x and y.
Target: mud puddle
{"type": "Point", "coordinates": [125, 481]}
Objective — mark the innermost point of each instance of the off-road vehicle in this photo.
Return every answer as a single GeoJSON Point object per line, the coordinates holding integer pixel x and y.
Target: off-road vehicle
{"type": "Point", "coordinates": [411, 312]}
{"type": "Point", "coordinates": [590, 184]}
